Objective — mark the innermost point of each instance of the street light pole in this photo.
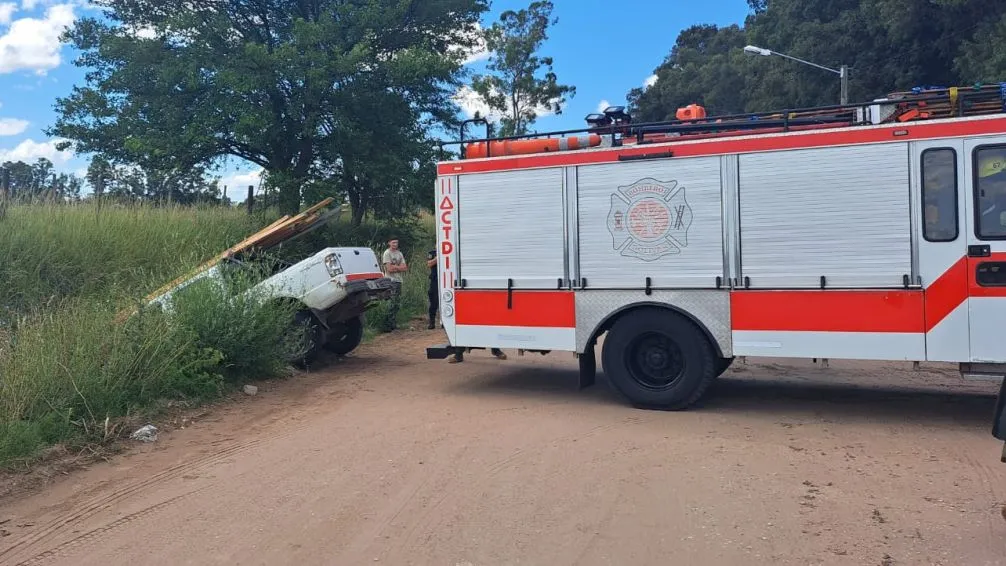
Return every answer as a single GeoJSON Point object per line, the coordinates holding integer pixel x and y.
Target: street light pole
{"type": "Point", "coordinates": [845, 84]}
{"type": "Point", "coordinates": [843, 73]}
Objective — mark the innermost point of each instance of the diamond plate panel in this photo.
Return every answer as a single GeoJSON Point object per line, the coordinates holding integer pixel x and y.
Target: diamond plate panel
{"type": "Point", "coordinates": [711, 308]}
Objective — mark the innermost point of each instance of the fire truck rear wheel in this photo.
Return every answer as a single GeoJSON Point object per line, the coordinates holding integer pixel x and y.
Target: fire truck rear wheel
{"type": "Point", "coordinates": [658, 359]}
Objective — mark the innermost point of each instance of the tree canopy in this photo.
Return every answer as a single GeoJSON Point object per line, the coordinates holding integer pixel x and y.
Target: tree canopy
{"type": "Point", "coordinates": [521, 83]}
{"type": "Point", "coordinates": [134, 182]}
{"type": "Point", "coordinates": [888, 44]}
{"type": "Point", "coordinates": [298, 87]}
{"type": "Point", "coordinates": [39, 180]}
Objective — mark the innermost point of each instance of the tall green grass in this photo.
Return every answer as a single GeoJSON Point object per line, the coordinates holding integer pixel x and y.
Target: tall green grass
{"type": "Point", "coordinates": [51, 252]}
{"type": "Point", "coordinates": [69, 373]}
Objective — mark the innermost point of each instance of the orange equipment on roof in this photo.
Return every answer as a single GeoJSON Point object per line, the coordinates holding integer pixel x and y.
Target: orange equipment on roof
{"type": "Point", "coordinates": [691, 112]}
{"type": "Point", "coordinates": [522, 147]}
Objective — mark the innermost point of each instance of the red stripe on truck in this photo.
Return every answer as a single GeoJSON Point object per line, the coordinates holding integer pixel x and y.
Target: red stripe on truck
{"type": "Point", "coordinates": [535, 309]}
{"type": "Point", "coordinates": [829, 311]}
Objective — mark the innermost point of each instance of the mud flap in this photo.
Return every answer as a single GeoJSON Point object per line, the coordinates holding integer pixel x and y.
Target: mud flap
{"type": "Point", "coordinates": [999, 421]}
{"type": "Point", "coordinates": [588, 368]}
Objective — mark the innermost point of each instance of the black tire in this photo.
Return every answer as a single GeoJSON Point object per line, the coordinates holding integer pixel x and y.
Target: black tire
{"type": "Point", "coordinates": [345, 337]}
{"type": "Point", "coordinates": [722, 365]}
{"type": "Point", "coordinates": [658, 360]}
{"type": "Point", "coordinates": [304, 340]}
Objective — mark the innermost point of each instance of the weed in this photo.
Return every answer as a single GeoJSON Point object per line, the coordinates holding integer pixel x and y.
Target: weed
{"type": "Point", "coordinates": [69, 373]}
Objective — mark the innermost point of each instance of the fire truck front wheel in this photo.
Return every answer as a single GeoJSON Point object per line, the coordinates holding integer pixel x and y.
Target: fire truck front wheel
{"type": "Point", "coordinates": [658, 359]}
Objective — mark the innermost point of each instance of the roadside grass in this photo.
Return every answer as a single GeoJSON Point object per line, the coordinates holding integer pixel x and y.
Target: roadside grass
{"type": "Point", "coordinates": [49, 252]}
{"type": "Point", "coordinates": [70, 374]}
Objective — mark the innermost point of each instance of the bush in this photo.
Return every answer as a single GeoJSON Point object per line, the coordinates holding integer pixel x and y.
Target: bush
{"type": "Point", "coordinates": [71, 368]}
{"type": "Point", "coordinates": [66, 365]}
{"type": "Point", "coordinates": [248, 332]}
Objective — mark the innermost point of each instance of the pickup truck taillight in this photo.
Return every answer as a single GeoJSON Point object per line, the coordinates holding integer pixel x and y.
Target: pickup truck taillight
{"type": "Point", "coordinates": [333, 265]}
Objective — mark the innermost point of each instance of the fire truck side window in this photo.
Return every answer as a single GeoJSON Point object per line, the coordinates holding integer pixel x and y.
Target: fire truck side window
{"type": "Point", "coordinates": [939, 195]}
{"type": "Point", "coordinates": [990, 192]}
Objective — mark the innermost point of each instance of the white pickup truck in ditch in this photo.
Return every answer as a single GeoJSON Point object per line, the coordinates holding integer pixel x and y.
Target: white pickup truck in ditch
{"type": "Point", "coordinates": [330, 290]}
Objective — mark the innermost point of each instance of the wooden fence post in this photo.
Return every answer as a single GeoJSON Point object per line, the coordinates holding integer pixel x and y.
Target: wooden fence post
{"type": "Point", "coordinates": [5, 183]}
{"type": "Point", "coordinates": [251, 198]}
{"type": "Point", "coordinates": [4, 191]}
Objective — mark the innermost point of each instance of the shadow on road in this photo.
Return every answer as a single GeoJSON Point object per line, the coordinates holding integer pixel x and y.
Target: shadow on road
{"type": "Point", "coordinates": [844, 401]}
{"type": "Point", "coordinates": [763, 395]}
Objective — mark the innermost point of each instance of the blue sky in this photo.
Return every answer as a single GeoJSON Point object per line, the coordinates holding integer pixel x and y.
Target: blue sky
{"type": "Point", "coordinates": [604, 48]}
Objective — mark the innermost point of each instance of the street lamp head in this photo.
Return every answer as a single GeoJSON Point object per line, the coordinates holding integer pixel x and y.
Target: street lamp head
{"type": "Point", "coordinates": [757, 51]}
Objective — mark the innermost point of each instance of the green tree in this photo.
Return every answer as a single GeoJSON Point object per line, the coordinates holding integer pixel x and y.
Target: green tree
{"type": "Point", "coordinates": [706, 66]}
{"type": "Point", "coordinates": [135, 182]}
{"type": "Point", "coordinates": [100, 175]}
{"type": "Point", "coordinates": [983, 57]}
{"type": "Point", "coordinates": [888, 44]}
{"type": "Point", "coordinates": [521, 84]}
{"type": "Point", "coordinates": [40, 181]}
{"type": "Point", "coordinates": [175, 84]}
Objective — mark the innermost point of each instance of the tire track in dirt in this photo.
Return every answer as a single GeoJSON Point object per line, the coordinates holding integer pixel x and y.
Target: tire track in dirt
{"type": "Point", "coordinates": [450, 496]}
{"type": "Point", "coordinates": [987, 478]}
{"type": "Point", "coordinates": [95, 536]}
{"type": "Point", "coordinates": [58, 525]}
{"type": "Point", "coordinates": [53, 528]}
{"type": "Point", "coordinates": [401, 502]}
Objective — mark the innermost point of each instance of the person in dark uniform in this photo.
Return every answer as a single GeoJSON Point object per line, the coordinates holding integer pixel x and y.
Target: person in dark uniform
{"type": "Point", "coordinates": [434, 292]}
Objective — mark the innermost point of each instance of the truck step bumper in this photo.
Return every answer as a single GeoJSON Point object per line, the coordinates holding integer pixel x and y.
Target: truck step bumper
{"type": "Point", "coordinates": [439, 352]}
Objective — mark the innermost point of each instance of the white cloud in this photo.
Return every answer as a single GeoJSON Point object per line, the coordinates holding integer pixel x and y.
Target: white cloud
{"type": "Point", "coordinates": [7, 10]}
{"type": "Point", "coordinates": [237, 184]}
{"type": "Point", "coordinates": [30, 4]}
{"type": "Point", "coordinates": [32, 43]}
{"type": "Point", "coordinates": [603, 105]}
{"type": "Point", "coordinates": [30, 150]}
{"type": "Point", "coordinates": [12, 126]}
{"type": "Point", "coordinates": [650, 81]}
{"type": "Point", "coordinates": [470, 103]}
{"type": "Point", "coordinates": [142, 32]}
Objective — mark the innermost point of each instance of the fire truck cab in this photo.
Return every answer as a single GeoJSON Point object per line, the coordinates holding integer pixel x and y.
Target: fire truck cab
{"type": "Point", "coordinates": [874, 231]}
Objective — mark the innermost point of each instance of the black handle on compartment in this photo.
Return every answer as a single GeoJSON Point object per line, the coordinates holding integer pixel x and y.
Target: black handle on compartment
{"type": "Point", "coordinates": [642, 156]}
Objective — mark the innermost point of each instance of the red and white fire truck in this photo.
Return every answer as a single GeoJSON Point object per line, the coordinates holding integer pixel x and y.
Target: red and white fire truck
{"type": "Point", "coordinates": [873, 231]}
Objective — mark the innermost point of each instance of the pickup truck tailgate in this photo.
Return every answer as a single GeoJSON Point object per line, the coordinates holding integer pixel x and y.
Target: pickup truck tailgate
{"type": "Point", "coordinates": [359, 263]}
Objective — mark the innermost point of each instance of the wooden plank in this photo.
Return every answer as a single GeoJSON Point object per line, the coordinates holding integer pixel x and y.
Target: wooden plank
{"type": "Point", "coordinates": [240, 246]}
{"type": "Point", "coordinates": [273, 234]}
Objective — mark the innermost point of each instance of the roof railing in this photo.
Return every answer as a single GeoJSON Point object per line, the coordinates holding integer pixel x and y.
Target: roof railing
{"type": "Point", "coordinates": [922, 103]}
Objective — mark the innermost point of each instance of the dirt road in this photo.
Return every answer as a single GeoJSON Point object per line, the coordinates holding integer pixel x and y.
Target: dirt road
{"type": "Point", "coordinates": [388, 458]}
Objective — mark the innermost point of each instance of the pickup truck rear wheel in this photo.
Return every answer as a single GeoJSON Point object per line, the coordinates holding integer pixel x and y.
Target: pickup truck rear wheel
{"type": "Point", "coordinates": [303, 339]}
{"type": "Point", "coordinates": [658, 359]}
{"type": "Point", "coordinates": [345, 337]}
